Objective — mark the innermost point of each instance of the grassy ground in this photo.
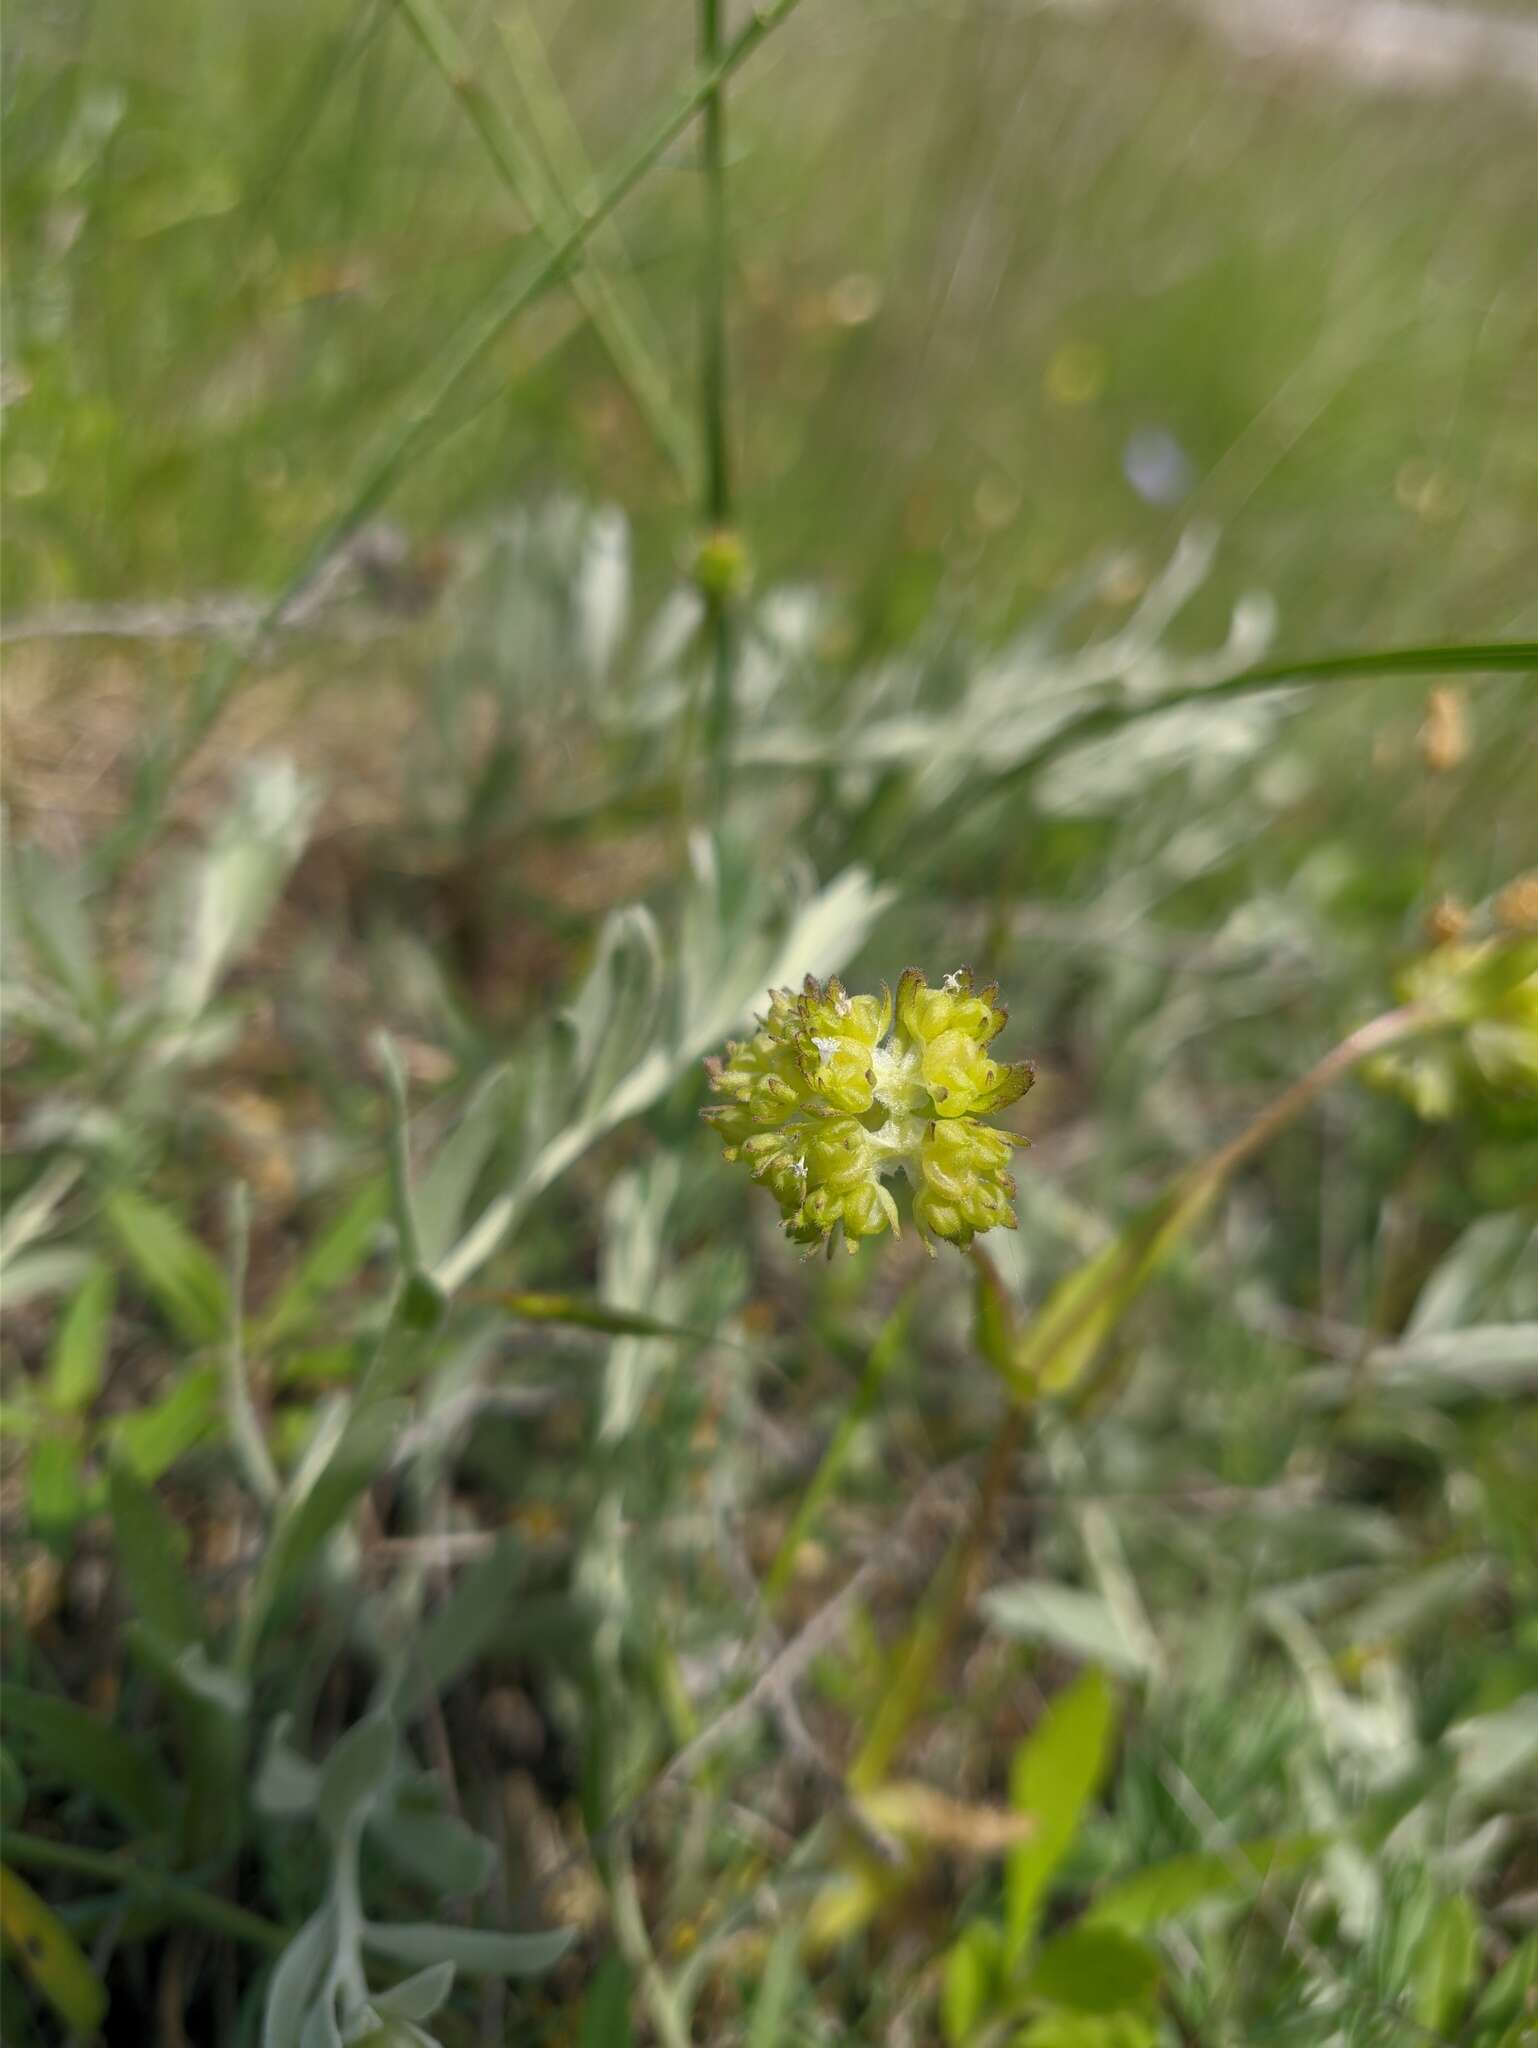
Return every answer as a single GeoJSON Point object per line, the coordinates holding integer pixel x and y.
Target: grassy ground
{"type": "Point", "coordinates": [444, 1520]}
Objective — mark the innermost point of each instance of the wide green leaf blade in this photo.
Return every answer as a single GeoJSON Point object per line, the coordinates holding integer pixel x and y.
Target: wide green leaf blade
{"type": "Point", "coordinates": [61, 1743]}
{"type": "Point", "coordinates": [1055, 1773]}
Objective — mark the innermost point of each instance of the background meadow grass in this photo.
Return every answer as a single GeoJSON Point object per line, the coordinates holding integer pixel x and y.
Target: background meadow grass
{"type": "Point", "coordinates": [1074, 355]}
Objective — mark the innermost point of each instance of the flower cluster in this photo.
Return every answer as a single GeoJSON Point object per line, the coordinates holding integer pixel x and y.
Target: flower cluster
{"type": "Point", "coordinates": [836, 1093]}
{"type": "Point", "coordinates": [1486, 991]}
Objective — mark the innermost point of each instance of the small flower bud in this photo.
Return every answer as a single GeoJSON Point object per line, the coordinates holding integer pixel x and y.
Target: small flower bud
{"type": "Point", "coordinates": [1446, 921]}
{"type": "Point", "coordinates": [721, 565]}
{"type": "Point", "coordinates": [1516, 906]}
{"type": "Point", "coordinates": [1444, 736]}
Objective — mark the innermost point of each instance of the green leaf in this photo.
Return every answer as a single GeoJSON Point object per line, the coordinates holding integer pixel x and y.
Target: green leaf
{"type": "Point", "coordinates": [581, 1313]}
{"type": "Point", "coordinates": [355, 1773]}
{"type": "Point", "coordinates": [150, 1440]}
{"type": "Point", "coordinates": [57, 1495]}
{"type": "Point", "coordinates": [616, 1007]}
{"type": "Point", "coordinates": [1055, 1773]}
{"type": "Point", "coordinates": [1508, 1999]}
{"type": "Point", "coordinates": [321, 2029]}
{"type": "Point", "coordinates": [80, 1348]}
{"type": "Point", "coordinates": [297, 1978]}
{"type": "Point", "coordinates": [13, 1789]}
{"type": "Point", "coordinates": [53, 916]}
{"type": "Point", "coordinates": [226, 891]}
{"type": "Point", "coordinates": [1445, 1966]}
{"type": "Point", "coordinates": [30, 1276]}
{"type": "Point", "coordinates": [423, 1303]}
{"type": "Point", "coordinates": [1083, 1624]}
{"type": "Point", "coordinates": [1095, 1970]}
{"type": "Point", "coordinates": [469, 1620]}
{"type": "Point", "coordinates": [479, 1954]}
{"type": "Point", "coordinates": [1493, 1747]}
{"type": "Point", "coordinates": [152, 1550]}
{"type": "Point", "coordinates": [970, 1981]}
{"type": "Point", "coordinates": [172, 1267]}
{"type": "Point", "coordinates": [287, 1784]}
{"type": "Point", "coordinates": [50, 1956]}
{"type": "Point", "coordinates": [443, 1192]}
{"type": "Point", "coordinates": [59, 1742]}
{"type": "Point", "coordinates": [1067, 2029]}
{"type": "Point", "coordinates": [1165, 1891]}
{"type": "Point", "coordinates": [438, 1848]}
{"type": "Point", "coordinates": [1065, 1336]}
{"type": "Point", "coordinates": [418, 1997]}
{"type": "Point", "coordinates": [1487, 657]}
{"type": "Point", "coordinates": [776, 1988]}
{"type": "Point", "coordinates": [345, 1454]}
{"type": "Point", "coordinates": [332, 1260]}
{"type": "Point", "coordinates": [993, 1320]}
{"type": "Point", "coordinates": [606, 2009]}
{"type": "Point", "coordinates": [211, 1705]}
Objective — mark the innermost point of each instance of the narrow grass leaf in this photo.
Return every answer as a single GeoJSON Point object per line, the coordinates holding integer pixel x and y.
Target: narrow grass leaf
{"type": "Point", "coordinates": [583, 1314]}
{"type": "Point", "coordinates": [179, 1276]}
{"type": "Point", "coordinates": [149, 1440]}
{"type": "Point", "coordinates": [1168, 1890]}
{"type": "Point", "coordinates": [969, 1983]}
{"type": "Point", "coordinates": [1064, 1338]}
{"type": "Point", "coordinates": [50, 1956]}
{"type": "Point", "coordinates": [57, 1493]}
{"type": "Point", "coordinates": [606, 2008]}
{"type": "Point", "coordinates": [1445, 1967]}
{"type": "Point", "coordinates": [336, 1255]}
{"type": "Point", "coordinates": [768, 2027]}
{"type": "Point", "coordinates": [80, 1349]}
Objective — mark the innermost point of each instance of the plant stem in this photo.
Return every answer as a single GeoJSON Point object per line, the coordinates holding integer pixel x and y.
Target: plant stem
{"type": "Point", "coordinates": [717, 502]}
{"type": "Point", "coordinates": [1078, 1317]}
{"type": "Point", "coordinates": [464, 352]}
{"type": "Point", "coordinates": [940, 1615]}
{"type": "Point", "coordinates": [718, 482]}
{"type": "Point", "coordinates": [553, 212]}
{"type": "Point", "coordinates": [246, 1438]}
{"type": "Point", "coordinates": [185, 1900]}
{"type": "Point", "coordinates": [884, 1354]}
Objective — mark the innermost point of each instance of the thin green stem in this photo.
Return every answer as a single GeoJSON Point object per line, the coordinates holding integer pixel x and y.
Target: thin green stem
{"type": "Point", "coordinates": [184, 1900]}
{"type": "Point", "coordinates": [940, 1614]}
{"type": "Point", "coordinates": [1487, 658]}
{"type": "Point", "coordinates": [464, 352]}
{"type": "Point", "coordinates": [718, 481]}
{"type": "Point", "coordinates": [246, 1438]}
{"type": "Point", "coordinates": [720, 630]}
{"type": "Point", "coordinates": [884, 1354]}
{"type": "Point", "coordinates": [553, 213]}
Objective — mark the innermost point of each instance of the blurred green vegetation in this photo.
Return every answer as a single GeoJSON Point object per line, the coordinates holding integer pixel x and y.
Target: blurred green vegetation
{"type": "Point", "coordinates": [976, 251]}
{"type": "Point", "coordinates": [445, 1524]}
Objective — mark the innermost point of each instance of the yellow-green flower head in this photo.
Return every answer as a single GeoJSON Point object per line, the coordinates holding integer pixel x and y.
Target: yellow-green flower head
{"type": "Point", "coordinates": [833, 1095]}
{"type": "Point", "coordinates": [1486, 992]}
